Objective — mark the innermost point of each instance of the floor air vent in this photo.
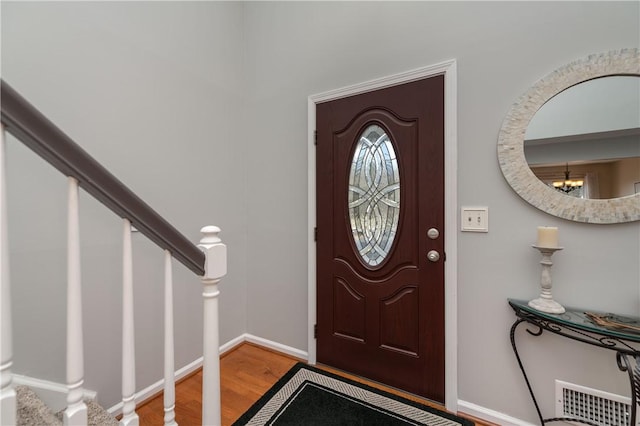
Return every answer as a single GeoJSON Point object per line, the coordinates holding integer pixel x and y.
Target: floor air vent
{"type": "Point", "coordinates": [594, 405]}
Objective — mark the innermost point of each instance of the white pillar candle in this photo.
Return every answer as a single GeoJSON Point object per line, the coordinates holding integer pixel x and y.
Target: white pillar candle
{"type": "Point", "coordinates": [547, 236]}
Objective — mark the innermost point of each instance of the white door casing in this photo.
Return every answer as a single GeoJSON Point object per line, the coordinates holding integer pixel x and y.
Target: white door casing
{"type": "Point", "coordinates": [449, 70]}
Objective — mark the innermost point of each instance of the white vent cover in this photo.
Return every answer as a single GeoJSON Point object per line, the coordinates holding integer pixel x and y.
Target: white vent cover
{"type": "Point", "coordinates": [596, 406]}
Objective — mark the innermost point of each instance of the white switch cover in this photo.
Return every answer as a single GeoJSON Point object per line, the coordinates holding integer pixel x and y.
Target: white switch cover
{"type": "Point", "coordinates": [475, 219]}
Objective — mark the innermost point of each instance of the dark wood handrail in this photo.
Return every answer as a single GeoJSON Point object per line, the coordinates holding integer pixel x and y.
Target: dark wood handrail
{"type": "Point", "coordinates": [32, 128]}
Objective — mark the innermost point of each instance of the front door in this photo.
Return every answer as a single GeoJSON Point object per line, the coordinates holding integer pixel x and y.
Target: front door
{"type": "Point", "coordinates": [380, 236]}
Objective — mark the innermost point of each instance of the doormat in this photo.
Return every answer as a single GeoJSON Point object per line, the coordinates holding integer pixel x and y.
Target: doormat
{"type": "Point", "coordinates": [309, 396]}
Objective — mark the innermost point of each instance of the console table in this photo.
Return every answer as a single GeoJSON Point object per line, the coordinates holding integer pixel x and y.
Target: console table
{"type": "Point", "coordinates": [576, 325]}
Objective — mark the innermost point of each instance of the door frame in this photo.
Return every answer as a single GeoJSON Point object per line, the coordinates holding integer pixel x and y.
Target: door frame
{"type": "Point", "coordinates": [449, 70]}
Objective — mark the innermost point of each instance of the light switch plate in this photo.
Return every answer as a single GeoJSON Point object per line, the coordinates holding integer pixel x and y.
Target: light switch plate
{"type": "Point", "coordinates": [475, 219]}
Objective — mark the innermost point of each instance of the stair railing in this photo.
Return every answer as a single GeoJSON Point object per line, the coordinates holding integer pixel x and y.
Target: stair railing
{"type": "Point", "coordinates": [208, 260]}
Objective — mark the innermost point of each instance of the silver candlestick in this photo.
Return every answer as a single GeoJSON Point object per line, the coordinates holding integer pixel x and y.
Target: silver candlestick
{"type": "Point", "coordinates": [545, 302]}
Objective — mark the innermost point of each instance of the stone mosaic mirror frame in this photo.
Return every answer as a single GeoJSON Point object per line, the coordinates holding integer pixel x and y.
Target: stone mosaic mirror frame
{"type": "Point", "coordinates": [511, 156]}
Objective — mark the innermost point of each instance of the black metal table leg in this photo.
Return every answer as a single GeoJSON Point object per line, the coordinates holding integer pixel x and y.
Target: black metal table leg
{"type": "Point", "coordinates": [544, 421]}
{"type": "Point", "coordinates": [634, 379]}
{"type": "Point", "coordinates": [524, 374]}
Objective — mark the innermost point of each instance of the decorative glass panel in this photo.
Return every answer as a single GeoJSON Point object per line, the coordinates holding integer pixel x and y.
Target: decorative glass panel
{"type": "Point", "coordinates": [374, 195]}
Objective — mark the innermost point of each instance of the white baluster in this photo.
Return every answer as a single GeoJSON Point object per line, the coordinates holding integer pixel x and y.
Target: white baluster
{"type": "Point", "coordinates": [76, 412]}
{"type": "Point", "coordinates": [169, 369]}
{"type": "Point", "coordinates": [7, 393]}
{"type": "Point", "coordinates": [215, 268]}
{"type": "Point", "coordinates": [129, 416]}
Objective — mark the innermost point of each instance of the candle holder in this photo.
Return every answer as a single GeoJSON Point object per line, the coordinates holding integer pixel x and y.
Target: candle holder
{"type": "Point", "coordinates": [545, 302]}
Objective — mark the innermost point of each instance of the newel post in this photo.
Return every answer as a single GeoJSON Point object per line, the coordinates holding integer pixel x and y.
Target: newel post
{"type": "Point", "coordinates": [215, 267]}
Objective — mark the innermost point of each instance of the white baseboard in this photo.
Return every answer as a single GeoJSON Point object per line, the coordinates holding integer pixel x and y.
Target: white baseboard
{"type": "Point", "coordinates": [232, 344]}
{"type": "Point", "coordinates": [297, 353]}
{"type": "Point", "coordinates": [158, 386]}
{"type": "Point", "coordinates": [51, 393]}
{"type": "Point", "coordinates": [490, 415]}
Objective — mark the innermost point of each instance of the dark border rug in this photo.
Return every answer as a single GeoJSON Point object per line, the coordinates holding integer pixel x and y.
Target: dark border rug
{"type": "Point", "coordinates": [309, 396]}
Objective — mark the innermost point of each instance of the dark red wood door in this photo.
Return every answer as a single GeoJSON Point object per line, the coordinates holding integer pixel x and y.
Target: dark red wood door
{"type": "Point", "coordinates": [380, 188]}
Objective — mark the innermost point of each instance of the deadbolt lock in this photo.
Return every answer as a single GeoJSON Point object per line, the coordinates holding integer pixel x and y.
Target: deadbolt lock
{"type": "Point", "coordinates": [433, 233]}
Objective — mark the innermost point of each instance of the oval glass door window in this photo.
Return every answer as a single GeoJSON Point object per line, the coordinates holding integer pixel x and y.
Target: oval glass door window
{"type": "Point", "coordinates": [374, 195]}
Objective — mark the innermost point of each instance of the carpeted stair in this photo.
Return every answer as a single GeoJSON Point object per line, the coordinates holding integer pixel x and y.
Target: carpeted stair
{"type": "Point", "coordinates": [33, 412]}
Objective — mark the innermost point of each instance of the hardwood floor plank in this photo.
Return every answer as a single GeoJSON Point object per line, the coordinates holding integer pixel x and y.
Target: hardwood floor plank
{"type": "Point", "coordinates": [246, 373]}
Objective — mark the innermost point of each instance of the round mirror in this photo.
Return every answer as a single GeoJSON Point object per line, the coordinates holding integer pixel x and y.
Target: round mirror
{"type": "Point", "coordinates": [570, 145]}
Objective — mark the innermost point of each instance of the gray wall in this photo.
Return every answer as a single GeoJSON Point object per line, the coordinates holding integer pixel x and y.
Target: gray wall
{"type": "Point", "coordinates": [154, 92]}
{"type": "Point", "coordinates": [297, 49]}
{"type": "Point", "coordinates": [170, 79]}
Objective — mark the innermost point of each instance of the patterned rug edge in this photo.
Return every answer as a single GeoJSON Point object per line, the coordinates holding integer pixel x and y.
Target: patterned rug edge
{"type": "Point", "coordinates": [255, 408]}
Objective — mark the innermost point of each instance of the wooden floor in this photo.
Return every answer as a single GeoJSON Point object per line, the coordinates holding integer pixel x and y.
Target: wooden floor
{"type": "Point", "coordinates": [246, 373]}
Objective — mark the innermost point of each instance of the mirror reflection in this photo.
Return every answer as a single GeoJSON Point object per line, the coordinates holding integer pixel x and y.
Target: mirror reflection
{"type": "Point", "coordinates": [585, 141]}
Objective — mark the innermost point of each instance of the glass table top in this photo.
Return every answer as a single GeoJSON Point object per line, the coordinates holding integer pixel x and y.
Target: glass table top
{"type": "Point", "coordinates": [610, 324]}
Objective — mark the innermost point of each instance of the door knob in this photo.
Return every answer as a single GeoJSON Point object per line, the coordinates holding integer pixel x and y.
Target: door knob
{"type": "Point", "coordinates": [433, 256]}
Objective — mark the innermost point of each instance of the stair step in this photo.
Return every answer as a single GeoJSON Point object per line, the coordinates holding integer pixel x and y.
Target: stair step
{"type": "Point", "coordinates": [32, 411]}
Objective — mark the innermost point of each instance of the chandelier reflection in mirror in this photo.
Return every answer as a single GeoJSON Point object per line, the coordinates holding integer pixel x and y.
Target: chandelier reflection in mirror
{"type": "Point", "coordinates": [568, 185]}
{"type": "Point", "coordinates": [612, 208]}
{"type": "Point", "coordinates": [374, 195]}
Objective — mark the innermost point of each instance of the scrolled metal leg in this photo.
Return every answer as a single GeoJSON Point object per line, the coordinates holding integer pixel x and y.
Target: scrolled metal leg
{"type": "Point", "coordinates": [524, 374]}
{"type": "Point", "coordinates": [634, 379]}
